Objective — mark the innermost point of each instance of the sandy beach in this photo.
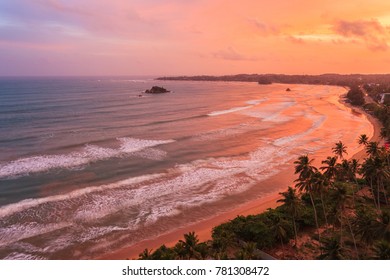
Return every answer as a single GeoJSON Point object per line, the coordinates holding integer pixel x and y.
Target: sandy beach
{"type": "Point", "coordinates": [377, 130]}
{"type": "Point", "coordinates": [204, 228]}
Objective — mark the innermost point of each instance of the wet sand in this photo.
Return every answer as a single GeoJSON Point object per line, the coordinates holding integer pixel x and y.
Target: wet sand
{"type": "Point", "coordinates": [204, 228]}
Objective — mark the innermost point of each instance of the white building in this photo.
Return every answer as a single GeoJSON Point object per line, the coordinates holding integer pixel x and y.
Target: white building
{"type": "Point", "coordinates": [385, 98]}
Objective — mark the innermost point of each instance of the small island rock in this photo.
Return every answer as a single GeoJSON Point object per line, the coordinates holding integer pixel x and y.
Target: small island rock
{"type": "Point", "coordinates": [156, 89]}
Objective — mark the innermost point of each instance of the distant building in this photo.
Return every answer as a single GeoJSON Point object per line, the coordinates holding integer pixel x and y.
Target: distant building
{"type": "Point", "coordinates": [385, 98]}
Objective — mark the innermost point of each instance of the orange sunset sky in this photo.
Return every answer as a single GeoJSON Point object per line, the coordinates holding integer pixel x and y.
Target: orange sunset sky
{"type": "Point", "coordinates": [177, 37]}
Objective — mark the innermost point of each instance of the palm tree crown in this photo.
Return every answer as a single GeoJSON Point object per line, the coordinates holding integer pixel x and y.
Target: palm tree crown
{"type": "Point", "coordinates": [339, 149]}
{"type": "Point", "coordinates": [363, 140]}
{"type": "Point", "coordinates": [304, 168]}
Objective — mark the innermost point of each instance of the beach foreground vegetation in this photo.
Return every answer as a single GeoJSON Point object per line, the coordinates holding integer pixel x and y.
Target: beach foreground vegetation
{"type": "Point", "coordinates": [338, 211]}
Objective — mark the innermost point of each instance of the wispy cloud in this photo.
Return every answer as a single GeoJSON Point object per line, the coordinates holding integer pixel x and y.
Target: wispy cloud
{"type": "Point", "coordinates": [231, 54]}
{"type": "Point", "coordinates": [263, 28]}
{"type": "Point", "coordinates": [201, 36]}
{"type": "Point", "coordinates": [372, 32]}
{"type": "Point", "coordinates": [295, 39]}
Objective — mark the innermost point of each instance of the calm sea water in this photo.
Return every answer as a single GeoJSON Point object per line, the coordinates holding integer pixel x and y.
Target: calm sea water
{"type": "Point", "coordinates": [87, 165]}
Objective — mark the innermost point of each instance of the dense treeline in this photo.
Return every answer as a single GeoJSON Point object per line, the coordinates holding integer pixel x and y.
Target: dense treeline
{"type": "Point", "coordinates": [375, 89]}
{"type": "Point", "coordinates": [325, 79]}
{"type": "Point", "coordinates": [338, 211]}
{"type": "Point", "coordinates": [382, 112]}
{"type": "Point", "coordinates": [356, 96]}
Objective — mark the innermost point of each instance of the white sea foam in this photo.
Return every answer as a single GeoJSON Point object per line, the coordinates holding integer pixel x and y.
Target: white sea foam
{"type": "Point", "coordinates": [256, 101]}
{"type": "Point", "coordinates": [94, 232]}
{"type": "Point", "coordinates": [227, 132]}
{"type": "Point", "coordinates": [129, 145]}
{"type": "Point", "coordinates": [251, 104]}
{"type": "Point", "coordinates": [23, 256]}
{"type": "Point", "coordinates": [151, 153]}
{"type": "Point", "coordinates": [272, 112]}
{"type": "Point", "coordinates": [293, 139]}
{"type": "Point", "coordinates": [228, 111]}
{"type": "Point", "coordinates": [30, 203]}
{"type": "Point", "coordinates": [149, 197]}
{"type": "Point", "coordinates": [89, 154]}
{"type": "Point", "coordinates": [21, 231]}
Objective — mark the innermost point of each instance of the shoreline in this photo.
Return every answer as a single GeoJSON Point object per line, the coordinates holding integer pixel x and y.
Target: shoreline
{"type": "Point", "coordinates": [374, 122]}
{"type": "Point", "coordinates": [204, 228]}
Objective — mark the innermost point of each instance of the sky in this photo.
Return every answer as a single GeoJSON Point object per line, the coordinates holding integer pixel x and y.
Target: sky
{"type": "Point", "coordinates": [193, 37]}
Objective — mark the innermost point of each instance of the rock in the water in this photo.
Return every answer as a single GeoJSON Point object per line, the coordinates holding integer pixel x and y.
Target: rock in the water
{"type": "Point", "coordinates": [288, 89]}
{"type": "Point", "coordinates": [156, 89]}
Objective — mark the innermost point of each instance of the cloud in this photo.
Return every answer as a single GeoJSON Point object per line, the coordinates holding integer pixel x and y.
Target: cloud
{"type": "Point", "coordinates": [295, 39]}
{"type": "Point", "coordinates": [231, 54]}
{"type": "Point", "coordinates": [120, 19]}
{"type": "Point", "coordinates": [372, 32]}
{"type": "Point", "coordinates": [263, 28]}
{"type": "Point", "coordinates": [358, 28]}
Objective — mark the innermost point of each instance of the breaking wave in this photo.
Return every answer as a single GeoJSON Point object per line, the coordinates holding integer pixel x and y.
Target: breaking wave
{"type": "Point", "coordinates": [89, 154]}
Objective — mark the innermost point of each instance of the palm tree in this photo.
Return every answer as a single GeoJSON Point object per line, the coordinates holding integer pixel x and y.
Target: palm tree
{"type": "Point", "coordinates": [348, 169]}
{"type": "Point", "coordinates": [145, 255]}
{"type": "Point", "coordinates": [306, 185]}
{"type": "Point", "coordinates": [180, 250]}
{"type": "Point", "coordinates": [382, 250]}
{"type": "Point", "coordinates": [382, 175]}
{"type": "Point", "coordinates": [330, 169]}
{"type": "Point", "coordinates": [247, 251]}
{"type": "Point", "coordinates": [203, 250]}
{"type": "Point", "coordinates": [332, 250]}
{"type": "Point", "coordinates": [340, 197]}
{"type": "Point", "coordinates": [280, 228]}
{"type": "Point", "coordinates": [363, 140]}
{"type": "Point", "coordinates": [293, 204]}
{"type": "Point", "coordinates": [368, 170]}
{"type": "Point", "coordinates": [372, 148]}
{"type": "Point", "coordinates": [304, 168]}
{"type": "Point", "coordinates": [373, 169]}
{"type": "Point", "coordinates": [190, 244]}
{"type": "Point", "coordinates": [354, 166]}
{"type": "Point", "coordinates": [362, 224]}
{"type": "Point", "coordinates": [345, 170]}
{"type": "Point", "coordinates": [371, 226]}
{"type": "Point", "coordinates": [339, 149]}
{"type": "Point", "coordinates": [164, 253]}
{"type": "Point", "coordinates": [383, 226]}
{"type": "Point", "coordinates": [320, 184]}
{"type": "Point", "coordinates": [383, 133]}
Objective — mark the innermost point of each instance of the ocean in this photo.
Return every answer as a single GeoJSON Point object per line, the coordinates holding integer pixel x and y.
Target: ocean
{"type": "Point", "coordinates": [91, 164]}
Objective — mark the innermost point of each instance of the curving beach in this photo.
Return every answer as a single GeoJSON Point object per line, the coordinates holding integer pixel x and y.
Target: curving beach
{"type": "Point", "coordinates": [334, 103]}
{"type": "Point", "coordinates": [94, 171]}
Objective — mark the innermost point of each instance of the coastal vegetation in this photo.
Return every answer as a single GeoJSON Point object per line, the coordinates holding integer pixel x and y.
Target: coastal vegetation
{"type": "Point", "coordinates": [337, 211]}
{"type": "Point", "coordinates": [382, 112]}
{"type": "Point", "coordinates": [324, 79]}
{"type": "Point", "coordinates": [356, 96]}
